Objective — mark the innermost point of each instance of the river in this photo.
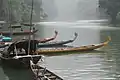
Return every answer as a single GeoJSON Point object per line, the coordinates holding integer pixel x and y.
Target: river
{"type": "Point", "coordinates": [102, 64]}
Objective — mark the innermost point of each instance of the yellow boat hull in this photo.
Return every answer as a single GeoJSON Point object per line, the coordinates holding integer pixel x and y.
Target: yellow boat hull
{"type": "Point", "coordinates": [74, 49]}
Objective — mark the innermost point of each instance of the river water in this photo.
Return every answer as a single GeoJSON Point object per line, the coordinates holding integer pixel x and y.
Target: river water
{"type": "Point", "coordinates": [102, 64]}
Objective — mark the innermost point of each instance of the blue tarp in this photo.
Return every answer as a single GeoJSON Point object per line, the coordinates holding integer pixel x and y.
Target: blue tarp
{"type": "Point", "coordinates": [4, 38]}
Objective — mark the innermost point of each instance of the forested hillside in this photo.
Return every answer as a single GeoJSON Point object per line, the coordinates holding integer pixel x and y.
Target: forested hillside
{"type": "Point", "coordinates": [112, 9]}
{"type": "Point", "coordinates": [19, 10]}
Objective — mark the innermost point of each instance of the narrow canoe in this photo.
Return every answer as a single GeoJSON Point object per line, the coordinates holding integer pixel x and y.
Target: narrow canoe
{"type": "Point", "coordinates": [57, 43]}
{"type": "Point", "coordinates": [42, 41]}
{"type": "Point", "coordinates": [18, 32]}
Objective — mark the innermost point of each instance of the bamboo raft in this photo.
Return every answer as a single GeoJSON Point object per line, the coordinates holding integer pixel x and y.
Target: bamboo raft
{"type": "Point", "coordinates": [42, 73]}
{"type": "Point", "coordinates": [73, 49]}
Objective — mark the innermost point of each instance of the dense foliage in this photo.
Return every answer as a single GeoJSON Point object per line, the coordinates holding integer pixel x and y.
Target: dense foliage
{"type": "Point", "coordinates": [19, 11]}
{"type": "Point", "coordinates": [112, 8]}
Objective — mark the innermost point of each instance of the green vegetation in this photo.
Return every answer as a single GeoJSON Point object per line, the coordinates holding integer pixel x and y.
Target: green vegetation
{"type": "Point", "coordinates": [20, 11]}
{"type": "Point", "coordinates": [112, 8]}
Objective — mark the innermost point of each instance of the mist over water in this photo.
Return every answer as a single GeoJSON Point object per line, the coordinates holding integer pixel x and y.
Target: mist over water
{"type": "Point", "coordinates": [67, 10]}
{"type": "Point", "coordinates": [71, 10]}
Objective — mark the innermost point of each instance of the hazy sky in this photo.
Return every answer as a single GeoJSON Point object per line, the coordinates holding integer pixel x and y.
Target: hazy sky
{"type": "Point", "coordinates": [69, 10]}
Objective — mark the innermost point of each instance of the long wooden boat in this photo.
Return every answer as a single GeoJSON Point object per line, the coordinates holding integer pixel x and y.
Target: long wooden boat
{"type": "Point", "coordinates": [4, 44]}
{"type": "Point", "coordinates": [74, 49]}
{"type": "Point", "coordinates": [27, 24]}
{"type": "Point", "coordinates": [18, 32]}
{"type": "Point", "coordinates": [42, 73]}
{"type": "Point", "coordinates": [57, 43]}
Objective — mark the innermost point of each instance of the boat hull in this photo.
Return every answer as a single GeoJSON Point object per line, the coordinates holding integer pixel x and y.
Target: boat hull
{"type": "Point", "coordinates": [3, 45]}
{"type": "Point", "coordinates": [63, 50]}
{"type": "Point", "coordinates": [57, 43]}
{"type": "Point", "coordinates": [72, 49]}
{"type": "Point", "coordinates": [15, 63]}
{"type": "Point", "coordinates": [54, 44]}
{"type": "Point", "coordinates": [18, 32]}
{"type": "Point", "coordinates": [21, 62]}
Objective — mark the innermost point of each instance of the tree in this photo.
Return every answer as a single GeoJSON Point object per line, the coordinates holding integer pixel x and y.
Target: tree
{"type": "Point", "coordinates": [111, 7]}
{"type": "Point", "coordinates": [19, 11]}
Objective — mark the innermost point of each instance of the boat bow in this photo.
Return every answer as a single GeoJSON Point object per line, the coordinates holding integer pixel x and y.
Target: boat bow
{"type": "Point", "coordinates": [107, 41]}
{"type": "Point", "coordinates": [48, 39]}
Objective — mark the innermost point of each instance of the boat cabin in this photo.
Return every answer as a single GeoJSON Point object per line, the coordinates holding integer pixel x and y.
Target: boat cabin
{"type": "Point", "coordinates": [17, 50]}
{"type": "Point", "coordinates": [28, 46]}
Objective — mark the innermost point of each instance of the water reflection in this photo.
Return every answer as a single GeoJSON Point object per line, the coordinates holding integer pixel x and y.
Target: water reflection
{"type": "Point", "coordinates": [15, 74]}
{"type": "Point", "coordinates": [2, 76]}
{"type": "Point", "coordinates": [112, 59]}
{"type": "Point", "coordinates": [75, 53]}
